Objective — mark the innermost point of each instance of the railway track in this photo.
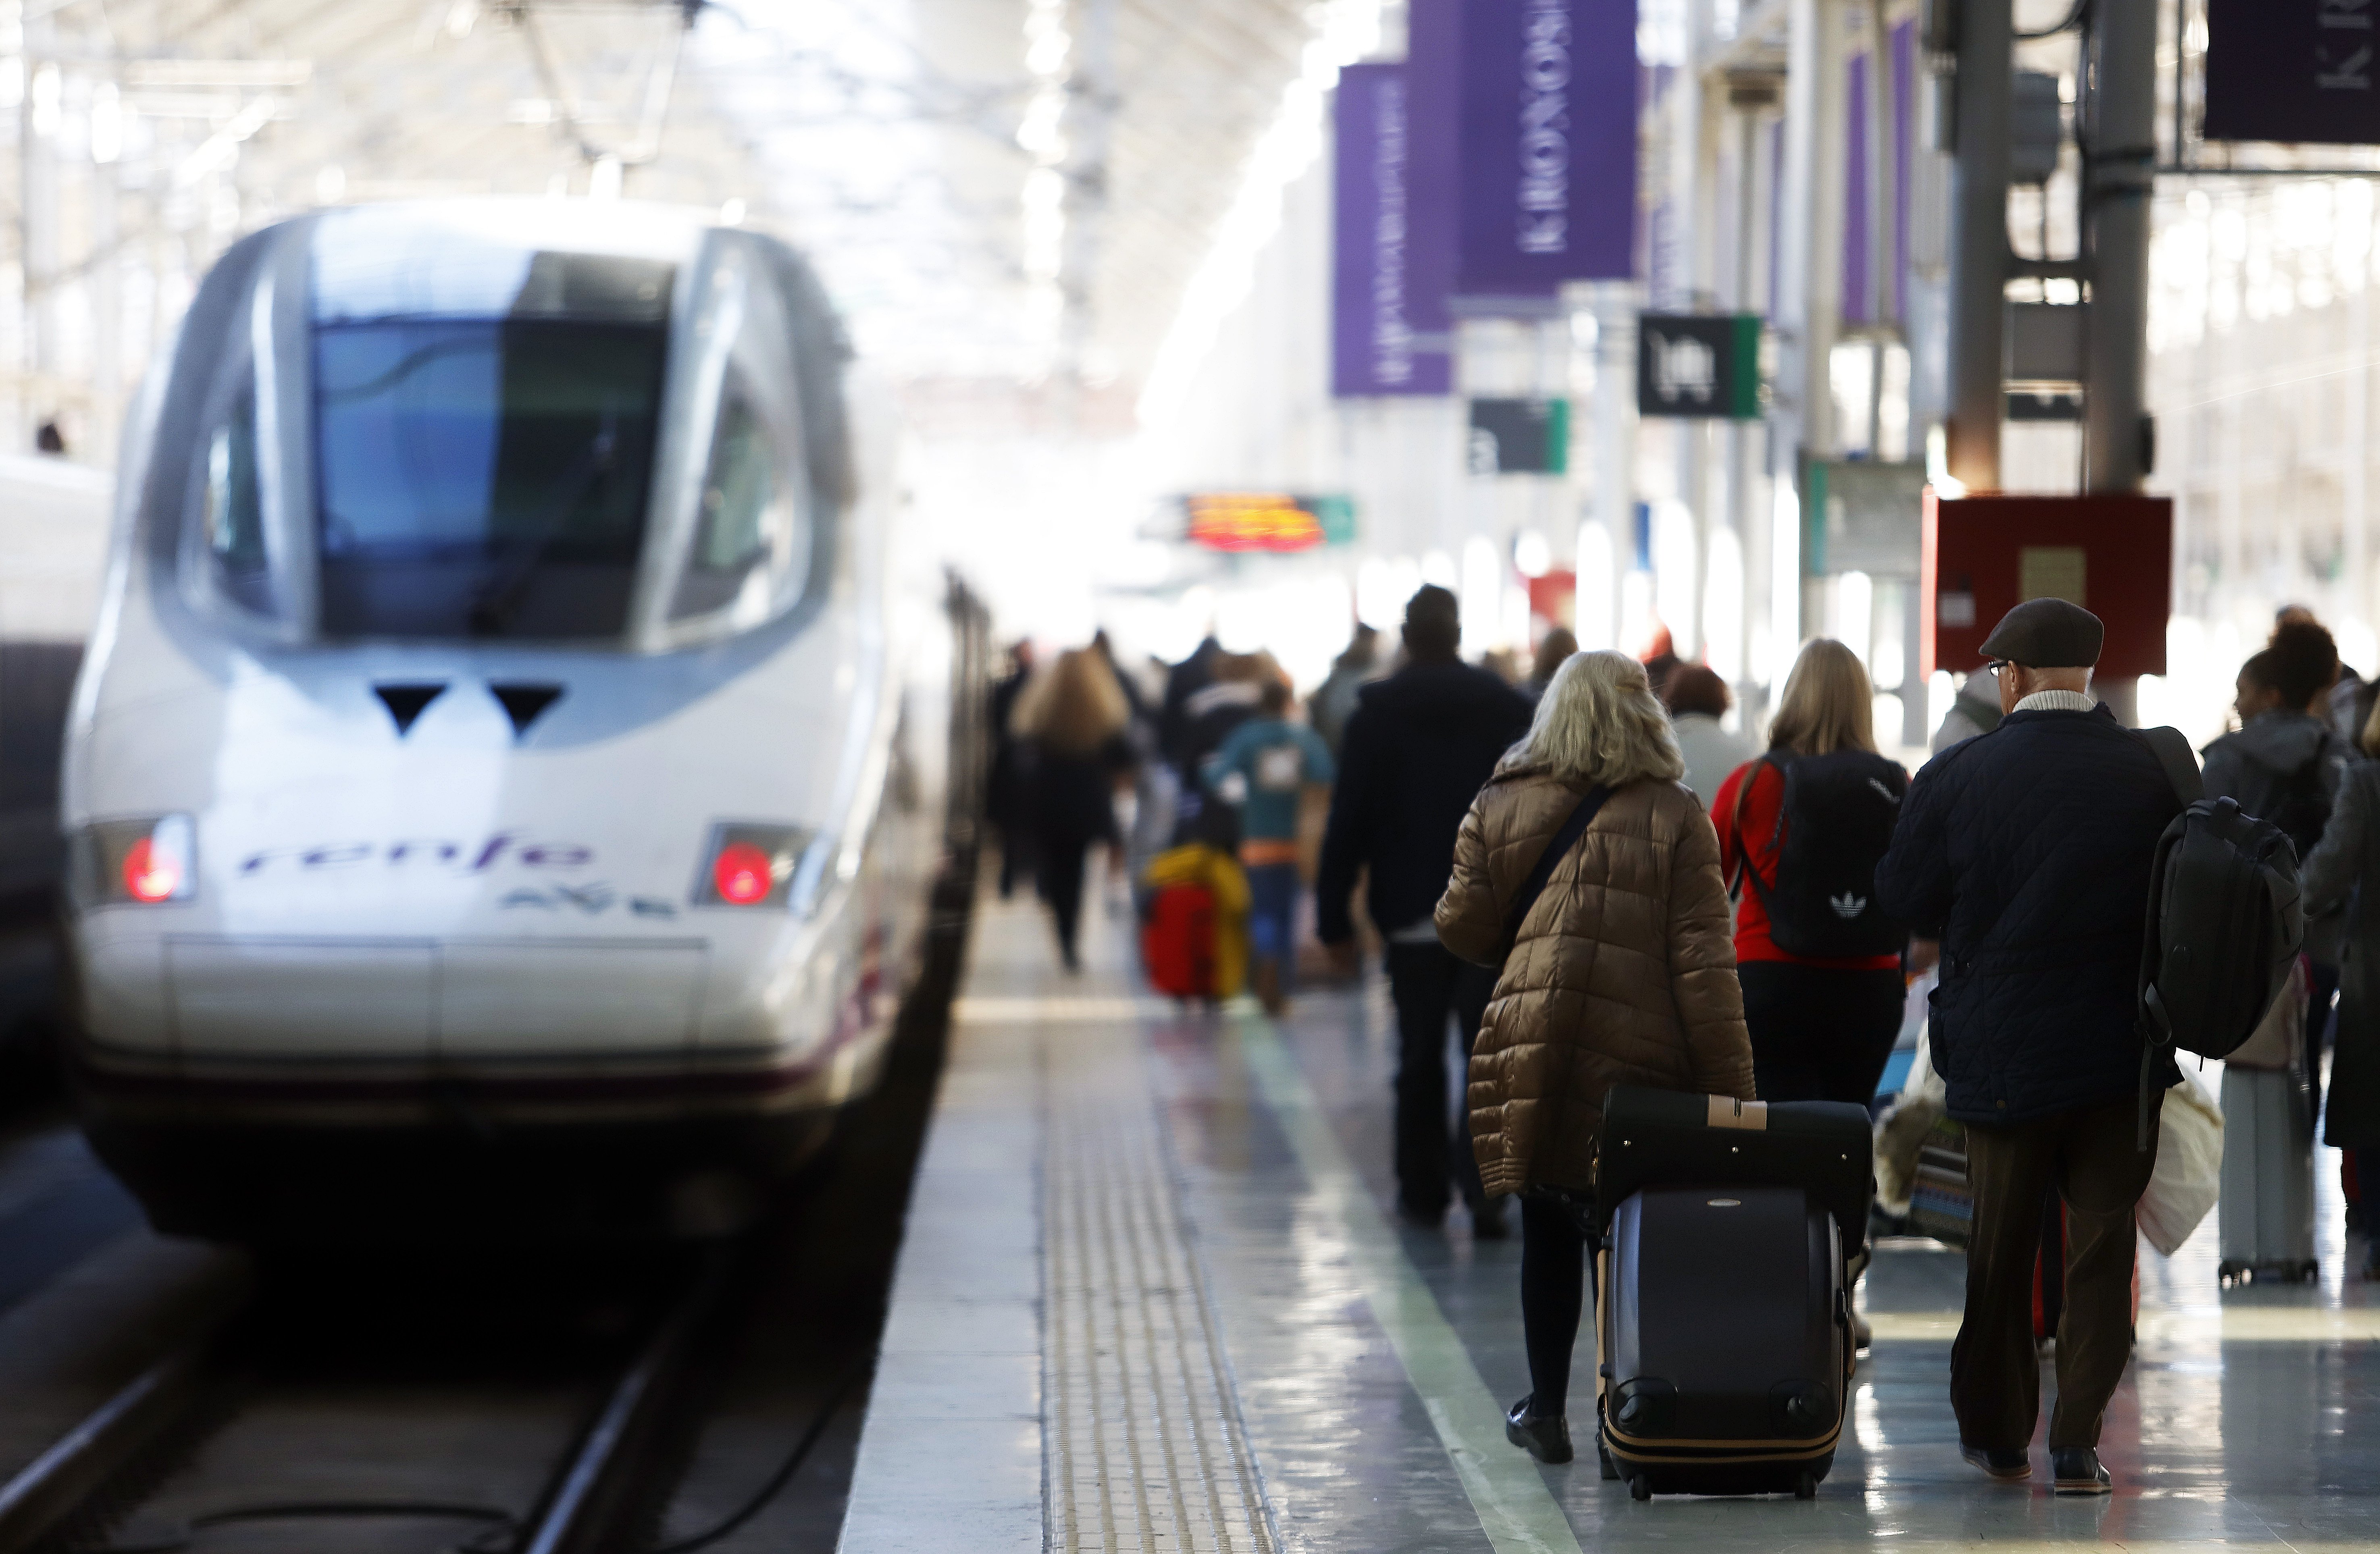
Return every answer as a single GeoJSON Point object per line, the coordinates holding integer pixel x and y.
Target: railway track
{"type": "Point", "coordinates": [141, 1473]}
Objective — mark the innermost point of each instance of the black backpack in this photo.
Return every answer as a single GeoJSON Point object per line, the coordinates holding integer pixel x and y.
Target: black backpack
{"type": "Point", "coordinates": [2225, 920]}
{"type": "Point", "coordinates": [1835, 822]}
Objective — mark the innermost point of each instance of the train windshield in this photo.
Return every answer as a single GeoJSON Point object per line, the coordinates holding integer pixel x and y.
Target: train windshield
{"type": "Point", "coordinates": [483, 479]}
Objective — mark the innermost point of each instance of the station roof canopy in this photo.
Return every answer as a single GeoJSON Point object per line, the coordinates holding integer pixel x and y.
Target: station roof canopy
{"type": "Point", "coordinates": [907, 144]}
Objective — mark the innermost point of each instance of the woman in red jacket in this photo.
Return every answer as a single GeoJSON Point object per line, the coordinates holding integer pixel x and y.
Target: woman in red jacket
{"type": "Point", "coordinates": [1821, 1029]}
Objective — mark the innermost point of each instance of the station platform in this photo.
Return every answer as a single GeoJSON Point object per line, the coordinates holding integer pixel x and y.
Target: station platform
{"type": "Point", "coordinates": [1153, 1296]}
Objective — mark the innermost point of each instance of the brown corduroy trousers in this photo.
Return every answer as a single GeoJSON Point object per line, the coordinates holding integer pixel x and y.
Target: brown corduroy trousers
{"type": "Point", "coordinates": [2088, 1155]}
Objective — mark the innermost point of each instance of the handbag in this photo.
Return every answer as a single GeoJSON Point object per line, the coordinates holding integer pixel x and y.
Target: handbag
{"type": "Point", "coordinates": [1941, 1204]}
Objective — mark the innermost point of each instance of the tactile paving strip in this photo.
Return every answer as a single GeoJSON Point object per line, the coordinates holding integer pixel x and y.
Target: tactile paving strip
{"type": "Point", "coordinates": [1144, 1443]}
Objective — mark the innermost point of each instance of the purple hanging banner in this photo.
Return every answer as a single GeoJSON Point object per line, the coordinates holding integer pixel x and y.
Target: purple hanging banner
{"type": "Point", "coordinates": [1547, 146]}
{"type": "Point", "coordinates": [1388, 331]}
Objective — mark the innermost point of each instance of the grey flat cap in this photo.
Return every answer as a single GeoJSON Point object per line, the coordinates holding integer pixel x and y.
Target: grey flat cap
{"type": "Point", "coordinates": [2046, 634]}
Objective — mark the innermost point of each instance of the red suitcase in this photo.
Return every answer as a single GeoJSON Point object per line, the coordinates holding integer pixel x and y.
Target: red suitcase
{"type": "Point", "coordinates": [1177, 942]}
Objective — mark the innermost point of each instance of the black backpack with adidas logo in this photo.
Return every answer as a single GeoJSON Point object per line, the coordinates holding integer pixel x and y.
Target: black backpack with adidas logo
{"type": "Point", "coordinates": [1832, 829]}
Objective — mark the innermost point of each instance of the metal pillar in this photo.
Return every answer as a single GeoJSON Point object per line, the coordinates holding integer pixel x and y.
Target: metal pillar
{"type": "Point", "coordinates": [1615, 429]}
{"type": "Point", "coordinates": [2120, 160]}
{"type": "Point", "coordinates": [1808, 307]}
{"type": "Point", "coordinates": [1883, 159]}
{"type": "Point", "coordinates": [1979, 244]}
{"type": "Point", "coordinates": [1752, 98]}
{"type": "Point", "coordinates": [1691, 191]}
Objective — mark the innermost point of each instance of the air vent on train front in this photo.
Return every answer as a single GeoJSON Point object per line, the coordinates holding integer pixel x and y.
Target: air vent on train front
{"type": "Point", "coordinates": [524, 701]}
{"type": "Point", "coordinates": [407, 700]}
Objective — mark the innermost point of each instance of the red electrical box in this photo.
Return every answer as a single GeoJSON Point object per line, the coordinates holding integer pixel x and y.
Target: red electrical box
{"type": "Point", "coordinates": [1985, 555]}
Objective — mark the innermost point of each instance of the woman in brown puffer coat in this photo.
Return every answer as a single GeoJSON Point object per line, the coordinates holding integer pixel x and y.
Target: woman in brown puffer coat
{"type": "Point", "coordinates": [1623, 972]}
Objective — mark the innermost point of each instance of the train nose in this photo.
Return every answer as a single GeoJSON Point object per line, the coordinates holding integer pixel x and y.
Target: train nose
{"type": "Point", "coordinates": [452, 1000]}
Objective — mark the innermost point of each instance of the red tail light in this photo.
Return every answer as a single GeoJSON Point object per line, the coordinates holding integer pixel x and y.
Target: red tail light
{"type": "Point", "coordinates": [150, 872]}
{"type": "Point", "coordinates": [138, 862]}
{"type": "Point", "coordinates": [753, 863]}
{"type": "Point", "coordinates": [743, 874]}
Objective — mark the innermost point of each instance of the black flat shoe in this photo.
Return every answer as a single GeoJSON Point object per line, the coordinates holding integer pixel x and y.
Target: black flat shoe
{"type": "Point", "coordinates": [2076, 1471]}
{"type": "Point", "coordinates": [1545, 1437]}
{"type": "Point", "coordinates": [1999, 1465]}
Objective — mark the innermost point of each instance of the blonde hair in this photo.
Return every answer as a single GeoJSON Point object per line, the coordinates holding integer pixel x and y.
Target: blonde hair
{"type": "Point", "coordinates": [1599, 724]}
{"type": "Point", "coordinates": [1828, 705]}
{"type": "Point", "coordinates": [1074, 707]}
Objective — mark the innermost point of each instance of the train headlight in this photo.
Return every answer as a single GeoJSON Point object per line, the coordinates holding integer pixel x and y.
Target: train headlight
{"type": "Point", "coordinates": [140, 863]}
{"type": "Point", "coordinates": [757, 865]}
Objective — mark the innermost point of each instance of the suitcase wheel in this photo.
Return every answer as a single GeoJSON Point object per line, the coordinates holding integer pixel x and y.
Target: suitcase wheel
{"type": "Point", "coordinates": [1806, 1486]}
{"type": "Point", "coordinates": [1640, 1487]}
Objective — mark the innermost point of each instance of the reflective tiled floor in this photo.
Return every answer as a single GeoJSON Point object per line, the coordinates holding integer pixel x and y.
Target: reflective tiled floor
{"type": "Point", "coordinates": [1364, 1360]}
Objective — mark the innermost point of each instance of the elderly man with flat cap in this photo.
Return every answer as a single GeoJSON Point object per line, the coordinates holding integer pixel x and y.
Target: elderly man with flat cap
{"type": "Point", "coordinates": [2025, 851]}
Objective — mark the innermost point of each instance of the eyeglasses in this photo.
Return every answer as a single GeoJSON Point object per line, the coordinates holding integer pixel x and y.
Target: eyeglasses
{"type": "Point", "coordinates": [1997, 666]}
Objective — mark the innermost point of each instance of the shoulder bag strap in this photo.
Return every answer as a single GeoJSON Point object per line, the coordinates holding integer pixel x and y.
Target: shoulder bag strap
{"type": "Point", "coordinates": [2172, 751]}
{"type": "Point", "coordinates": [1745, 868]}
{"type": "Point", "coordinates": [1535, 885]}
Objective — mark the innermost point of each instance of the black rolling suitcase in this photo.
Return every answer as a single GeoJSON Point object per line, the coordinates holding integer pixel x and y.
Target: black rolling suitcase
{"type": "Point", "coordinates": [1724, 1349]}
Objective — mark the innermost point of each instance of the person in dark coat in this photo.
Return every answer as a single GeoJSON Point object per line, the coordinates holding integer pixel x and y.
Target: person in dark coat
{"type": "Point", "coordinates": [1074, 720]}
{"type": "Point", "coordinates": [2026, 853]}
{"type": "Point", "coordinates": [1183, 681]}
{"type": "Point", "coordinates": [2344, 871]}
{"type": "Point", "coordinates": [1417, 750]}
{"type": "Point", "coordinates": [1005, 790]}
{"type": "Point", "coordinates": [2286, 765]}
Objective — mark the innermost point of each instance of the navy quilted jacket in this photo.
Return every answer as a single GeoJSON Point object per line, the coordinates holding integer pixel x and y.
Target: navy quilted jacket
{"type": "Point", "coordinates": [2026, 851]}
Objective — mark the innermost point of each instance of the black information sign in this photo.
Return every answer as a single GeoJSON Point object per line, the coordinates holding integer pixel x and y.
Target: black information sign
{"type": "Point", "coordinates": [1520, 436]}
{"type": "Point", "coordinates": [2293, 70]}
{"type": "Point", "coordinates": [1698, 364]}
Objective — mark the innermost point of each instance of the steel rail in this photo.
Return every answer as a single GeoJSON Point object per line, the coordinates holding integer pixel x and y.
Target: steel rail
{"type": "Point", "coordinates": [605, 1484]}
{"type": "Point", "coordinates": [51, 1489]}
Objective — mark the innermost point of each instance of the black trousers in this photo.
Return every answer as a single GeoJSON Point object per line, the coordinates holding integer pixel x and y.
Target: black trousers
{"type": "Point", "coordinates": [1816, 1034]}
{"type": "Point", "coordinates": [1058, 871]}
{"type": "Point", "coordinates": [1553, 1297]}
{"type": "Point", "coordinates": [1428, 984]}
{"type": "Point", "coordinates": [2088, 1157]}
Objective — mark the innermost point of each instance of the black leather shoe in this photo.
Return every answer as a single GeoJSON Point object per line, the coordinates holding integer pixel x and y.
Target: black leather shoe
{"type": "Point", "coordinates": [1545, 1437]}
{"type": "Point", "coordinates": [1999, 1465]}
{"type": "Point", "coordinates": [2077, 1472]}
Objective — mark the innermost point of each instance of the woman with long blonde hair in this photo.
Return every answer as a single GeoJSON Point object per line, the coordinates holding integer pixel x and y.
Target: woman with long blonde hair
{"type": "Point", "coordinates": [1823, 1025]}
{"type": "Point", "coordinates": [1071, 718]}
{"type": "Point", "coordinates": [1632, 924]}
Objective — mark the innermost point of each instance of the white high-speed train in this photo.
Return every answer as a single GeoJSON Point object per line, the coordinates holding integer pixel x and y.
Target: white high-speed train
{"type": "Point", "coordinates": [517, 754]}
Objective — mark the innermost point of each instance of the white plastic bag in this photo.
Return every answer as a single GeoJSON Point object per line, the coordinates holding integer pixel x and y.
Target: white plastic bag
{"type": "Point", "coordinates": [2188, 1174]}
